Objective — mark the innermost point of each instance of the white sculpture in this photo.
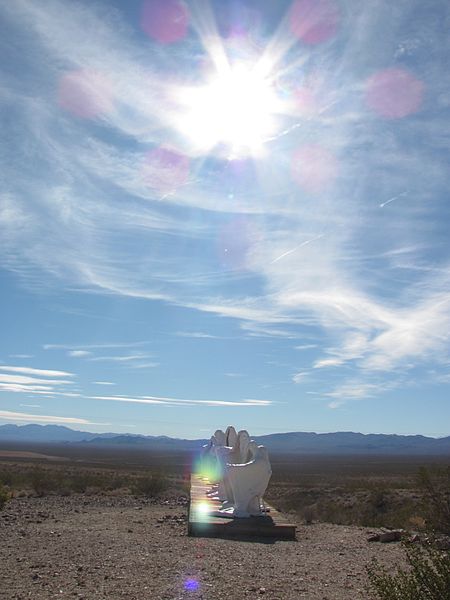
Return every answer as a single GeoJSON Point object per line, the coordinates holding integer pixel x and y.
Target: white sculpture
{"type": "Point", "coordinates": [245, 472]}
{"type": "Point", "coordinates": [210, 463]}
{"type": "Point", "coordinates": [249, 481]}
{"type": "Point", "coordinates": [230, 436]}
{"type": "Point", "coordinates": [219, 438]}
{"type": "Point", "coordinates": [243, 441]}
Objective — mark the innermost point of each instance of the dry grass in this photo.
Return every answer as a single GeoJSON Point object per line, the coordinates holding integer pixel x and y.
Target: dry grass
{"type": "Point", "coordinates": [367, 491]}
{"type": "Point", "coordinates": [373, 492]}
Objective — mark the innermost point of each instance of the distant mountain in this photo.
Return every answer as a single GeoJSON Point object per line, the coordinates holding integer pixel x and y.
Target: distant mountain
{"type": "Point", "coordinates": [287, 443]}
{"type": "Point", "coordinates": [60, 434]}
{"type": "Point", "coordinates": [160, 442]}
{"type": "Point", "coordinates": [47, 433]}
{"type": "Point", "coordinates": [354, 443]}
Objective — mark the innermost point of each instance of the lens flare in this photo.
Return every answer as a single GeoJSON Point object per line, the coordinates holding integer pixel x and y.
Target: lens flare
{"type": "Point", "coordinates": [191, 585]}
{"type": "Point", "coordinates": [85, 93]}
{"type": "Point", "coordinates": [208, 469]}
{"type": "Point", "coordinates": [203, 507]}
{"type": "Point", "coordinates": [166, 21]}
{"type": "Point", "coordinates": [236, 108]}
{"type": "Point", "coordinates": [394, 93]}
{"type": "Point", "coordinates": [165, 169]}
{"type": "Point", "coordinates": [314, 21]}
{"type": "Point", "coordinates": [314, 168]}
{"type": "Point", "coordinates": [236, 20]}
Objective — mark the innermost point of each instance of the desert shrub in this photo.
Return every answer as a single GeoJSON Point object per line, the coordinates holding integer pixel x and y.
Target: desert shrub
{"type": "Point", "coordinates": [79, 483]}
{"type": "Point", "coordinates": [428, 576]}
{"type": "Point", "coordinates": [150, 486]}
{"type": "Point", "coordinates": [43, 482]}
{"type": "Point", "coordinates": [370, 507]}
{"type": "Point", "coordinates": [4, 496]}
{"type": "Point", "coordinates": [436, 488]}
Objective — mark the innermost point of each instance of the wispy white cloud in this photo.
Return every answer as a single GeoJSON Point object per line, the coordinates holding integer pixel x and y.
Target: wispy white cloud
{"type": "Point", "coordinates": [196, 334]}
{"type": "Point", "coordinates": [358, 388]}
{"type": "Point", "coordinates": [300, 377]}
{"type": "Point", "coordinates": [103, 383]}
{"type": "Point", "coordinates": [99, 346]}
{"type": "Point", "coordinates": [39, 372]}
{"type": "Point", "coordinates": [248, 402]}
{"type": "Point", "coordinates": [38, 382]}
{"type": "Point", "coordinates": [8, 415]}
{"type": "Point", "coordinates": [24, 380]}
{"type": "Point", "coordinates": [305, 346]}
{"type": "Point", "coordinates": [328, 362]}
{"type": "Point", "coordinates": [121, 359]}
{"type": "Point", "coordinates": [79, 353]}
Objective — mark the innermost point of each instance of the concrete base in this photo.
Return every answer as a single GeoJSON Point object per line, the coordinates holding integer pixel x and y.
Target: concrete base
{"type": "Point", "coordinates": [204, 520]}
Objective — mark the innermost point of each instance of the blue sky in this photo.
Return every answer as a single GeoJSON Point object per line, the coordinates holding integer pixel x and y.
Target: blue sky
{"type": "Point", "coordinates": [225, 213]}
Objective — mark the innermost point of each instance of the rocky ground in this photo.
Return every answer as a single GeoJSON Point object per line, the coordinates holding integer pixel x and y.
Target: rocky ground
{"type": "Point", "coordinates": [118, 547]}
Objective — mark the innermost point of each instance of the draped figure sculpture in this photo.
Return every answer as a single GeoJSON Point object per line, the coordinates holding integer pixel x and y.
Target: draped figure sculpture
{"type": "Point", "coordinates": [249, 481]}
{"type": "Point", "coordinates": [244, 469]}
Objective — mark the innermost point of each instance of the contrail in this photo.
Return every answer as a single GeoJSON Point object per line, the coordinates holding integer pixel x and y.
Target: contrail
{"type": "Point", "coordinates": [392, 199]}
{"type": "Point", "coordinates": [296, 248]}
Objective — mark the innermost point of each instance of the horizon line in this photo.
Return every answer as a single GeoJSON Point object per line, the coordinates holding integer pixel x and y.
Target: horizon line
{"type": "Point", "coordinates": [437, 437]}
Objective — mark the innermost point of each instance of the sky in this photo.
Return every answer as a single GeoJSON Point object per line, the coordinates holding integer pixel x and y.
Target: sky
{"type": "Point", "coordinates": [217, 213]}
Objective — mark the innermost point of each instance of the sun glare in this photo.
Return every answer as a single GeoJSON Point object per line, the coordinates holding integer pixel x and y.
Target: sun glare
{"type": "Point", "coordinates": [236, 109]}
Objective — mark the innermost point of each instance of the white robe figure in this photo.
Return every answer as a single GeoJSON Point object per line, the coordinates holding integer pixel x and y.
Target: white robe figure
{"type": "Point", "coordinates": [207, 453]}
{"type": "Point", "coordinates": [243, 442]}
{"type": "Point", "coordinates": [238, 453]}
{"type": "Point", "coordinates": [224, 492]}
{"type": "Point", "coordinates": [210, 461]}
{"type": "Point", "coordinates": [230, 436]}
{"type": "Point", "coordinates": [249, 481]}
{"type": "Point", "coordinates": [219, 438]}
{"type": "Point", "coordinates": [228, 453]}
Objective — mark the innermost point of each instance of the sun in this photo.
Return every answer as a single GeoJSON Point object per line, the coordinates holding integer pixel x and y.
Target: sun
{"type": "Point", "coordinates": [236, 109]}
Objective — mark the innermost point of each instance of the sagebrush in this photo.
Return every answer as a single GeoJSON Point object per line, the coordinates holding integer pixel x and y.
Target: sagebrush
{"type": "Point", "coordinates": [427, 576]}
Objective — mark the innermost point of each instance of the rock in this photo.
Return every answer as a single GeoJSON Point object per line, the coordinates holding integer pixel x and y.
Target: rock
{"type": "Point", "coordinates": [374, 537]}
{"type": "Point", "coordinates": [390, 536]}
{"type": "Point", "coordinates": [443, 543]}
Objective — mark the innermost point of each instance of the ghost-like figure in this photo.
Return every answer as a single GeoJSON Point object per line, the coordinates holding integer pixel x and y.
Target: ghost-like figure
{"type": "Point", "coordinates": [248, 481]}
{"type": "Point", "coordinates": [230, 436]}
{"type": "Point", "coordinates": [228, 453]}
{"type": "Point", "coordinates": [219, 438]}
{"type": "Point", "coordinates": [243, 443]}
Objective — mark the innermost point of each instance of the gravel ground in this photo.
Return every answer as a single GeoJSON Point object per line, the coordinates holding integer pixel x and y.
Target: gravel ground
{"type": "Point", "coordinates": [117, 547]}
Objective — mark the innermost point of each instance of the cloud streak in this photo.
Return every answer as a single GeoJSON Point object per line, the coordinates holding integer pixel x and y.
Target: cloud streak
{"type": "Point", "coordinates": [8, 415]}
{"type": "Point", "coordinates": [31, 371]}
{"type": "Point", "coordinates": [248, 402]}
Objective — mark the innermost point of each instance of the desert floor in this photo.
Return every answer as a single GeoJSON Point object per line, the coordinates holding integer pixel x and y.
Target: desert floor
{"type": "Point", "coordinates": [112, 547]}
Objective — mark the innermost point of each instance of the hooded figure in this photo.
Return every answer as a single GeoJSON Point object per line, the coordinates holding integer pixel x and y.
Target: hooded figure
{"type": "Point", "coordinates": [243, 442]}
{"type": "Point", "coordinates": [230, 436]}
{"type": "Point", "coordinates": [225, 454]}
{"type": "Point", "coordinates": [249, 481]}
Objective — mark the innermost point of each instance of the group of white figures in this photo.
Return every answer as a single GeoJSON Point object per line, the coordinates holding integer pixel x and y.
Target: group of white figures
{"type": "Point", "coordinates": [244, 469]}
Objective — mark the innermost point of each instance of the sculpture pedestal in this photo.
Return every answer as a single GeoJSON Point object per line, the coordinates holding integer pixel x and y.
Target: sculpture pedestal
{"type": "Point", "coordinates": [205, 521]}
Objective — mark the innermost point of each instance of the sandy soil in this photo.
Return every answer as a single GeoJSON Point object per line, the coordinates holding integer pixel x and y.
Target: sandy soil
{"type": "Point", "coordinates": [116, 547]}
{"type": "Point", "coordinates": [11, 454]}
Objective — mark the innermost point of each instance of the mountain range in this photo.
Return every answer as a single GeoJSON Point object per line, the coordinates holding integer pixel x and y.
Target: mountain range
{"type": "Point", "coordinates": [341, 443]}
